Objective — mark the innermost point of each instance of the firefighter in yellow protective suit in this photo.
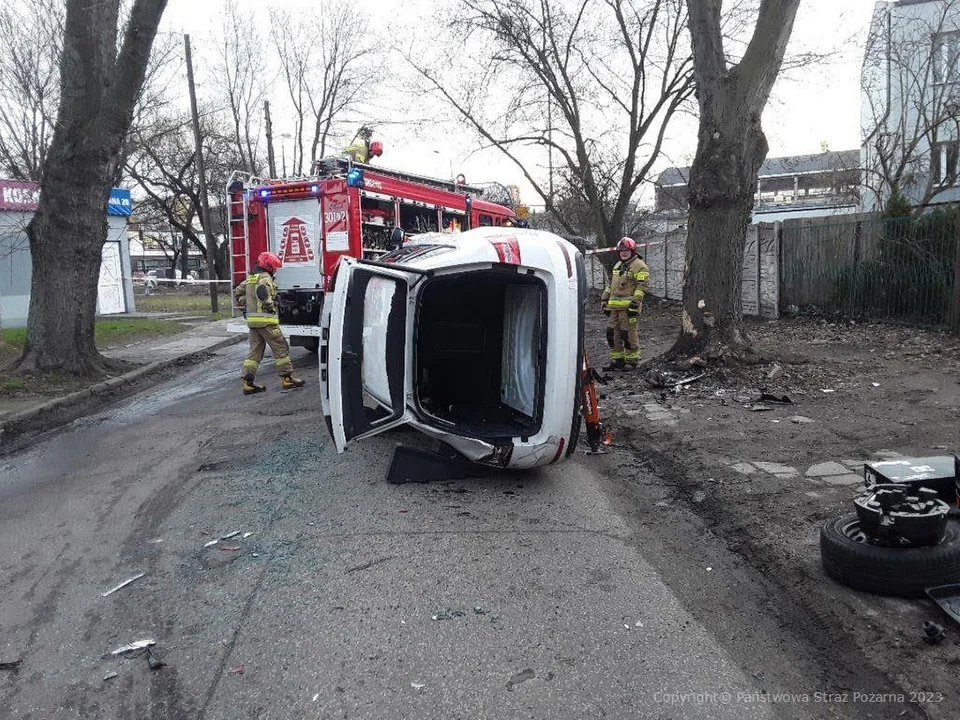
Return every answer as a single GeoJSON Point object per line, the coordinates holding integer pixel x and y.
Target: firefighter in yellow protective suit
{"type": "Point", "coordinates": [622, 301]}
{"type": "Point", "coordinates": [258, 296]}
{"type": "Point", "coordinates": [364, 151]}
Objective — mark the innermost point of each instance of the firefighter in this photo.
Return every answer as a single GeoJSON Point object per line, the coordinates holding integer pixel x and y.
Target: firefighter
{"type": "Point", "coordinates": [364, 151]}
{"type": "Point", "coordinates": [257, 295]}
{"type": "Point", "coordinates": [622, 300]}
{"type": "Point", "coordinates": [397, 238]}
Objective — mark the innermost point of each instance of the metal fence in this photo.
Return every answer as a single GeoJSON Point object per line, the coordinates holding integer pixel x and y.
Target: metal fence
{"type": "Point", "coordinates": [900, 269]}
{"type": "Point", "coordinates": [903, 269]}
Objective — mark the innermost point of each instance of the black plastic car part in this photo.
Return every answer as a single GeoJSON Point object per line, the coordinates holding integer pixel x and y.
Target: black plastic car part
{"type": "Point", "coordinates": [898, 516]}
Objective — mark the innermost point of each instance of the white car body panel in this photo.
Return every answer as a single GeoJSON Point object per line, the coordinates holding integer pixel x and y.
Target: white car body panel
{"type": "Point", "coordinates": [538, 354]}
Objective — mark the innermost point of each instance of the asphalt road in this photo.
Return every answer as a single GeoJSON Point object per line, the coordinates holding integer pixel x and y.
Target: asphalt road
{"type": "Point", "coordinates": [514, 596]}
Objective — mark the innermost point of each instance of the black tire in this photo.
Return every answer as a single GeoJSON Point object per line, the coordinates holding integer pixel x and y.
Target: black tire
{"type": "Point", "coordinates": [312, 345]}
{"type": "Point", "coordinates": [903, 572]}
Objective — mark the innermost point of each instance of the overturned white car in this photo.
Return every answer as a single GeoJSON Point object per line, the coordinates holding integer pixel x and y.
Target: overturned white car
{"type": "Point", "coordinates": [475, 339]}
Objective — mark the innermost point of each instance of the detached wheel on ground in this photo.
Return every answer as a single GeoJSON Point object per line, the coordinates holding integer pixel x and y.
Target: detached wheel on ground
{"type": "Point", "coordinates": [904, 572]}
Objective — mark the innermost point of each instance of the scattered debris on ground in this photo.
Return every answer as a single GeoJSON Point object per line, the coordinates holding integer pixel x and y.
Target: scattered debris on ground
{"type": "Point", "coordinates": [122, 585]}
{"type": "Point", "coordinates": [858, 392]}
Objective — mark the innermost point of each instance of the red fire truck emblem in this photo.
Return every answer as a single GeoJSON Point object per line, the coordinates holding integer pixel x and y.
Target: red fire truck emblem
{"type": "Point", "coordinates": [295, 245]}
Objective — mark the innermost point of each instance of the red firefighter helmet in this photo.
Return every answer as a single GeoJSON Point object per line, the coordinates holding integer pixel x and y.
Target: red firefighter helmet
{"type": "Point", "coordinates": [627, 245]}
{"type": "Point", "coordinates": [269, 262]}
{"type": "Point", "coordinates": [376, 148]}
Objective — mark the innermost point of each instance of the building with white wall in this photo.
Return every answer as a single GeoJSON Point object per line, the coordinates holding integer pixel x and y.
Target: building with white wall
{"type": "Point", "coordinates": [910, 103]}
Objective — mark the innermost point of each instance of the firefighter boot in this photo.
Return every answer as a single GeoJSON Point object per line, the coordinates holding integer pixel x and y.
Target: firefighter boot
{"type": "Point", "coordinates": [617, 364]}
{"type": "Point", "coordinates": [289, 382]}
{"type": "Point", "coordinates": [250, 387]}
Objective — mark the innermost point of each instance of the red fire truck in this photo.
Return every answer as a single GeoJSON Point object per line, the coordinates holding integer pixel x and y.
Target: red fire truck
{"type": "Point", "coordinates": [345, 208]}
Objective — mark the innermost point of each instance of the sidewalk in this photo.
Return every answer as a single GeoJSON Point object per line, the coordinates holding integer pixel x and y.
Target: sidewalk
{"type": "Point", "coordinates": [150, 355]}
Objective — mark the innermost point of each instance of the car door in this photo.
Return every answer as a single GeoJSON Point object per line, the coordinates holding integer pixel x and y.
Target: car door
{"type": "Point", "coordinates": [366, 348]}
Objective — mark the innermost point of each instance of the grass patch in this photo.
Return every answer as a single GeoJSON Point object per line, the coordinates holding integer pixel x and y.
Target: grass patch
{"type": "Point", "coordinates": [187, 304]}
{"type": "Point", "coordinates": [15, 337]}
{"type": "Point", "coordinates": [107, 332]}
{"type": "Point", "coordinates": [12, 385]}
{"type": "Point", "coordinates": [123, 330]}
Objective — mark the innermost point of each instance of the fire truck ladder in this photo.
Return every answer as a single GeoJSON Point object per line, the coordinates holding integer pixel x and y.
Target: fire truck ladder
{"type": "Point", "coordinates": [238, 222]}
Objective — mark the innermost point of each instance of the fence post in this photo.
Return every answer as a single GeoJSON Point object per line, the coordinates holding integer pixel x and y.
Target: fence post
{"type": "Point", "coordinates": [759, 294]}
{"type": "Point", "coordinates": [854, 300]}
{"type": "Point", "coordinates": [666, 265]}
{"type": "Point", "coordinates": [955, 319]}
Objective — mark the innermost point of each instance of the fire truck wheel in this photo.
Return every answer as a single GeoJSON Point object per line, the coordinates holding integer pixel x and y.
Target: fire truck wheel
{"type": "Point", "coordinates": [312, 345]}
{"type": "Point", "coordinates": [903, 572]}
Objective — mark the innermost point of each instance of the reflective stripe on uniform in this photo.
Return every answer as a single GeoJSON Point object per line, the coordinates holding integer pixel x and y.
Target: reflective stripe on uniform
{"type": "Point", "coordinates": [618, 302]}
{"type": "Point", "coordinates": [258, 320]}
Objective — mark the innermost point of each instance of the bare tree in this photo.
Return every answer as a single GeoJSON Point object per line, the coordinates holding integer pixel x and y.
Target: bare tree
{"type": "Point", "coordinates": [100, 79]}
{"type": "Point", "coordinates": [29, 84]}
{"type": "Point", "coordinates": [595, 84]}
{"type": "Point", "coordinates": [329, 66]}
{"type": "Point", "coordinates": [731, 147]}
{"type": "Point", "coordinates": [163, 164]}
{"type": "Point", "coordinates": [242, 64]}
{"type": "Point", "coordinates": [911, 103]}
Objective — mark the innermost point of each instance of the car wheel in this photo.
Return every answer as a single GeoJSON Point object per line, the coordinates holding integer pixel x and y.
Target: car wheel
{"type": "Point", "coordinates": [904, 572]}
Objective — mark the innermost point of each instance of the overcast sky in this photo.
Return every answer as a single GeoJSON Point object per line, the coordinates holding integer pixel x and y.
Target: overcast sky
{"type": "Point", "coordinates": [811, 109]}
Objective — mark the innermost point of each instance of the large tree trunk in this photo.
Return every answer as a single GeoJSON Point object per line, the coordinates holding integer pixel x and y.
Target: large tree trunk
{"type": "Point", "coordinates": [66, 237]}
{"type": "Point", "coordinates": [99, 88]}
{"type": "Point", "coordinates": [731, 148]}
{"type": "Point", "coordinates": [723, 184]}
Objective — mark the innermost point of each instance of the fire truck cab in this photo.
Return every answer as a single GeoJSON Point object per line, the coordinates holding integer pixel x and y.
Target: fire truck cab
{"type": "Point", "coordinates": [345, 208]}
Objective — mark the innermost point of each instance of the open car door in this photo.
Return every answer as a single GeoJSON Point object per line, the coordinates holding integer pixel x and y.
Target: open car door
{"type": "Point", "coordinates": [365, 348]}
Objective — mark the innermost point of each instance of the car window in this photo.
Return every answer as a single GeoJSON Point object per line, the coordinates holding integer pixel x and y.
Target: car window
{"type": "Point", "coordinates": [377, 304]}
{"type": "Point", "coordinates": [521, 348]}
{"type": "Point", "coordinates": [374, 342]}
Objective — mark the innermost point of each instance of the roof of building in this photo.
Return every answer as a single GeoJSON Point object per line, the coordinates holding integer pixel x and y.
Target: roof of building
{"type": "Point", "coordinates": [775, 167]}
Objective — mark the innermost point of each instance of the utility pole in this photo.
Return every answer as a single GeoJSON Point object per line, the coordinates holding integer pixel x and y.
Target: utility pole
{"type": "Point", "coordinates": [550, 148]}
{"type": "Point", "coordinates": [271, 163]}
{"type": "Point", "coordinates": [201, 169]}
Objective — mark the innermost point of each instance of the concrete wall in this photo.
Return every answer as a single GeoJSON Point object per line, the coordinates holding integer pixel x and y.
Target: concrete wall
{"type": "Point", "coordinates": [666, 254]}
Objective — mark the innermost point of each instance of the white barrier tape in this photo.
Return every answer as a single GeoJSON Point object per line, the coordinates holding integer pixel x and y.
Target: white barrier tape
{"type": "Point", "coordinates": [173, 280]}
{"type": "Point", "coordinates": [613, 249]}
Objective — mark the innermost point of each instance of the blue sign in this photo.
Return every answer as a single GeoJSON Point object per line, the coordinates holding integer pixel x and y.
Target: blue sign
{"type": "Point", "coordinates": [120, 202]}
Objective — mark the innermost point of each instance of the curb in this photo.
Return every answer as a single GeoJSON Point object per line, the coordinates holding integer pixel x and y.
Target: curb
{"type": "Point", "coordinates": [110, 384]}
